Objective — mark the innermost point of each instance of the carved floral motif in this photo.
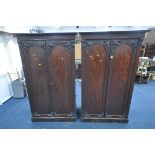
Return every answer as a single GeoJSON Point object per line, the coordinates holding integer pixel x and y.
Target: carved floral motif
{"type": "Point", "coordinates": [134, 43]}
{"type": "Point", "coordinates": [29, 43]}
{"type": "Point", "coordinates": [68, 44]}
{"type": "Point", "coordinates": [90, 43]}
{"type": "Point", "coordinates": [48, 45]}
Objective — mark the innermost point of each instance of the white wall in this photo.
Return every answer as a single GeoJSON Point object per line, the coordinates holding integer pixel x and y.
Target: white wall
{"type": "Point", "coordinates": [50, 29]}
{"type": "Point", "coordinates": [9, 61]}
{"type": "Point", "coordinates": [150, 37]}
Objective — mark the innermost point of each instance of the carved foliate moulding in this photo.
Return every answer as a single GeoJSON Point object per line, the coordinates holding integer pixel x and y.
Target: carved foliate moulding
{"type": "Point", "coordinates": [68, 44]}
{"type": "Point", "coordinates": [29, 43]}
{"type": "Point", "coordinates": [133, 43]}
{"type": "Point", "coordinates": [87, 44]}
{"type": "Point", "coordinates": [48, 45]}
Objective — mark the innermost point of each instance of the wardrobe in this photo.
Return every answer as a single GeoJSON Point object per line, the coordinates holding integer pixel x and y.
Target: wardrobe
{"type": "Point", "coordinates": [109, 64]}
{"type": "Point", "coordinates": [49, 68]}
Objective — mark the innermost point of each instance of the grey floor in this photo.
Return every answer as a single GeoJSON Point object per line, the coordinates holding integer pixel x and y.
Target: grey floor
{"type": "Point", "coordinates": [15, 113]}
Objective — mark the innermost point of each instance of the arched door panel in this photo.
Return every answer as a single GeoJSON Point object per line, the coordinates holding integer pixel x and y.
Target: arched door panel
{"type": "Point", "coordinates": [94, 61]}
{"type": "Point", "coordinates": [61, 80]}
{"type": "Point", "coordinates": [39, 93]}
{"type": "Point", "coordinates": [119, 69]}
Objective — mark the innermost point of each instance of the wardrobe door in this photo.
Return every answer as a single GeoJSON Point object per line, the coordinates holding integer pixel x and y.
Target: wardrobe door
{"type": "Point", "coordinates": [119, 79]}
{"type": "Point", "coordinates": [94, 77]}
{"type": "Point", "coordinates": [61, 67]}
{"type": "Point", "coordinates": [35, 68]}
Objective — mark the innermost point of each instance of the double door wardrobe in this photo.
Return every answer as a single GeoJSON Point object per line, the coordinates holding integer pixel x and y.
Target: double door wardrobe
{"type": "Point", "coordinates": [109, 62]}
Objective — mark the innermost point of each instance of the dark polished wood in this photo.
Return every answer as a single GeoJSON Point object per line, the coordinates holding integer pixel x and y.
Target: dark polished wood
{"type": "Point", "coordinates": [119, 67]}
{"type": "Point", "coordinates": [109, 63]}
{"type": "Point", "coordinates": [48, 63]}
{"type": "Point", "coordinates": [38, 85]}
{"type": "Point", "coordinates": [108, 70]}
{"type": "Point", "coordinates": [94, 77]}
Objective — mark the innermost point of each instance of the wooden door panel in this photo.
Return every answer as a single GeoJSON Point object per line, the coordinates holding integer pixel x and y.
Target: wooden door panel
{"type": "Point", "coordinates": [119, 66]}
{"type": "Point", "coordinates": [49, 68]}
{"type": "Point", "coordinates": [96, 70]}
{"type": "Point", "coordinates": [93, 79]}
{"type": "Point", "coordinates": [39, 86]}
{"type": "Point", "coordinates": [59, 70]}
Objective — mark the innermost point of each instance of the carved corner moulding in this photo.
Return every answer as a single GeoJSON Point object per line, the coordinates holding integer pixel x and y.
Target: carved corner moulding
{"type": "Point", "coordinates": [133, 43]}
{"type": "Point", "coordinates": [67, 44]}
{"type": "Point", "coordinates": [28, 43]}
{"type": "Point", "coordinates": [90, 43]}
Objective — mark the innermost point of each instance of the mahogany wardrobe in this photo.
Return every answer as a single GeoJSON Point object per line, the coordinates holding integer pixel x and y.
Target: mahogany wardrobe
{"type": "Point", "coordinates": [109, 64]}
